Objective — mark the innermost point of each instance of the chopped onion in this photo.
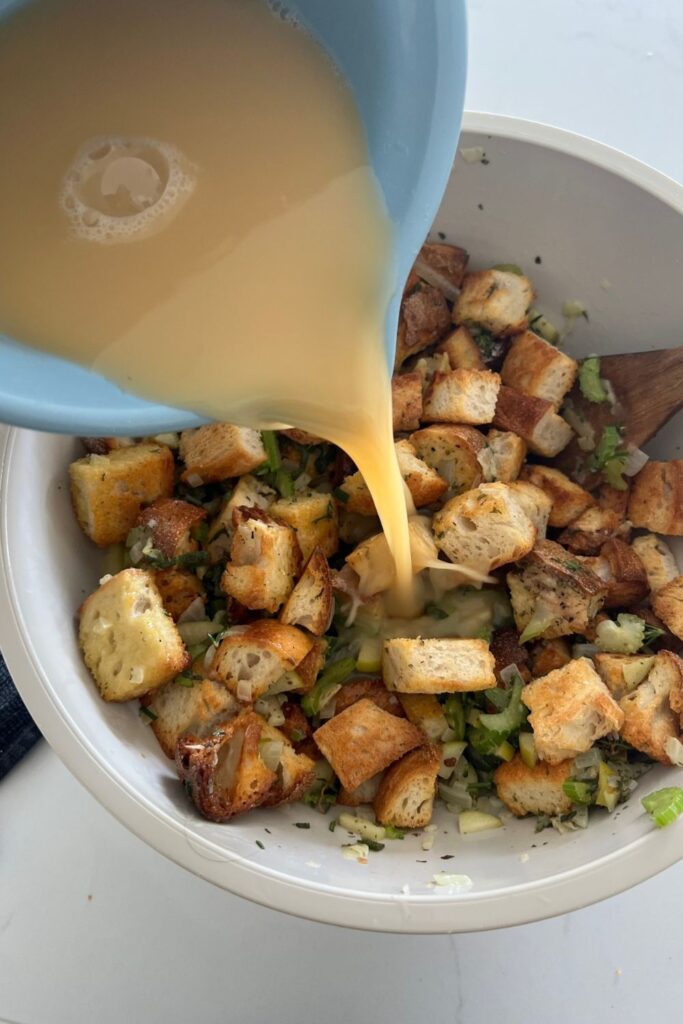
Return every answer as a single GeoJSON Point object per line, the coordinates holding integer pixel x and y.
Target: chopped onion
{"type": "Point", "coordinates": [195, 612]}
{"type": "Point", "coordinates": [508, 673]}
{"type": "Point", "coordinates": [209, 656]}
{"type": "Point", "coordinates": [434, 277]}
{"type": "Point", "coordinates": [427, 843]}
{"type": "Point", "coordinates": [473, 154]}
{"type": "Point", "coordinates": [328, 708]}
{"type": "Point", "coordinates": [673, 749]}
{"type": "Point", "coordinates": [357, 851]}
{"type": "Point", "coordinates": [105, 579]}
{"type": "Point", "coordinates": [635, 461]}
{"type": "Point", "coordinates": [461, 882]}
{"type": "Point", "coordinates": [271, 753]}
{"type": "Point", "coordinates": [194, 480]}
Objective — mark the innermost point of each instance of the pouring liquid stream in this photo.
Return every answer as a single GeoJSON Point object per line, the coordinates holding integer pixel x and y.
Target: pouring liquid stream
{"type": "Point", "coordinates": [189, 210]}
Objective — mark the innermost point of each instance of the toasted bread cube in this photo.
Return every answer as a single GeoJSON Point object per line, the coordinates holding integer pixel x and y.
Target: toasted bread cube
{"type": "Point", "coordinates": [535, 367]}
{"type": "Point", "coordinates": [296, 771]}
{"type": "Point", "coordinates": [626, 580]}
{"type": "Point", "coordinates": [219, 451]}
{"type": "Point", "coordinates": [568, 499]}
{"type": "Point", "coordinates": [264, 560]}
{"type": "Point", "coordinates": [564, 595]}
{"type": "Point", "coordinates": [363, 794]}
{"type": "Point", "coordinates": [656, 500]}
{"type": "Point", "coordinates": [103, 445]}
{"type": "Point", "coordinates": [372, 689]}
{"type": "Point", "coordinates": [535, 503]}
{"type": "Point", "coordinates": [668, 605]}
{"type": "Point", "coordinates": [249, 492]}
{"type": "Point", "coordinates": [424, 711]}
{"type": "Point", "coordinates": [362, 740]}
{"type": "Point", "coordinates": [129, 642]}
{"type": "Point", "coordinates": [108, 491]}
{"type": "Point", "coordinates": [437, 665]}
{"type": "Point", "coordinates": [462, 351]}
{"type": "Point", "coordinates": [570, 709]}
{"type": "Point", "coordinates": [548, 655]}
{"type": "Point", "coordinates": [652, 710]}
{"type": "Point", "coordinates": [614, 669]}
{"type": "Point", "coordinates": [507, 650]}
{"type": "Point", "coordinates": [462, 396]}
{"type": "Point", "coordinates": [424, 483]}
{"type": "Point", "coordinates": [178, 589]}
{"type": "Point", "coordinates": [406, 401]}
{"type": "Point", "coordinates": [195, 709]}
{"type": "Point", "coordinates": [225, 773]}
{"type": "Point", "coordinates": [536, 790]}
{"type": "Point", "coordinates": [313, 516]}
{"type": "Point", "coordinates": [442, 265]}
{"type": "Point", "coordinates": [496, 300]}
{"type": "Point", "coordinates": [534, 419]}
{"type": "Point", "coordinates": [589, 531]}
{"type": "Point", "coordinates": [657, 560]}
{"type": "Point", "coordinates": [427, 366]}
{"type": "Point", "coordinates": [170, 523]}
{"type": "Point", "coordinates": [609, 497]}
{"type": "Point", "coordinates": [310, 667]}
{"type": "Point", "coordinates": [453, 451]}
{"type": "Point", "coordinates": [249, 662]}
{"type": "Point", "coordinates": [311, 603]}
{"type": "Point", "coordinates": [405, 797]}
{"type": "Point", "coordinates": [508, 452]}
{"type": "Point", "coordinates": [424, 319]}
{"type": "Point", "coordinates": [484, 528]}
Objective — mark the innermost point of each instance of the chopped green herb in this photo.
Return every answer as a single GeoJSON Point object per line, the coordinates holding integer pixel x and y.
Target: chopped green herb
{"type": "Point", "coordinates": [260, 844]}
{"type": "Point", "coordinates": [302, 824]}
{"type": "Point", "coordinates": [190, 560]}
{"type": "Point", "coordinates": [610, 458]}
{"type": "Point", "coordinates": [572, 566]}
{"type": "Point", "coordinates": [590, 381]}
{"type": "Point", "coordinates": [332, 825]}
{"type": "Point", "coordinates": [373, 845]}
{"type": "Point", "coordinates": [148, 713]}
{"type": "Point", "coordinates": [341, 495]}
{"type": "Point", "coordinates": [392, 832]}
{"type": "Point", "coordinates": [651, 633]}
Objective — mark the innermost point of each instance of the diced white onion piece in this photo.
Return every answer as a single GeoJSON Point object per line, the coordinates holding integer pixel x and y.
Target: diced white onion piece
{"type": "Point", "coordinates": [357, 851]}
{"type": "Point", "coordinates": [674, 751]}
{"type": "Point", "coordinates": [477, 821]}
{"type": "Point", "coordinates": [194, 612]}
{"type": "Point", "coordinates": [328, 708]}
{"type": "Point", "coordinates": [473, 154]}
{"type": "Point", "coordinates": [635, 461]}
{"type": "Point", "coordinates": [507, 674]}
{"type": "Point", "coordinates": [271, 753]}
{"type": "Point", "coordinates": [463, 883]}
{"type": "Point", "coordinates": [208, 657]}
{"type": "Point", "coordinates": [194, 480]}
{"type": "Point", "coordinates": [427, 843]}
{"type": "Point", "coordinates": [105, 579]}
{"type": "Point", "coordinates": [434, 277]}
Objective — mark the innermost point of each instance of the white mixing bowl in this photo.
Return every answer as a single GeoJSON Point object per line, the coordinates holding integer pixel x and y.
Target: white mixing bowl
{"type": "Point", "coordinates": [587, 223]}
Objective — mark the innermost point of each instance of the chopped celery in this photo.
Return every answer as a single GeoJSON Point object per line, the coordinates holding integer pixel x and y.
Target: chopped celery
{"type": "Point", "coordinates": [590, 382]}
{"type": "Point", "coordinates": [333, 676]}
{"type": "Point", "coordinates": [455, 716]}
{"type": "Point", "coordinates": [284, 483]}
{"type": "Point", "coordinates": [477, 821]}
{"type": "Point", "coordinates": [664, 805]}
{"type": "Point", "coordinates": [370, 654]}
{"type": "Point", "coordinates": [510, 719]}
{"type": "Point", "coordinates": [579, 792]}
{"type": "Point", "coordinates": [608, 787]}
{"type": "Point", "coordinates": [527, 749]}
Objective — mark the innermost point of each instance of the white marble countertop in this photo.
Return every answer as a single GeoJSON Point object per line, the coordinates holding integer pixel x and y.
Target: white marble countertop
{"type": "Point", "coordinates": [95, 926]}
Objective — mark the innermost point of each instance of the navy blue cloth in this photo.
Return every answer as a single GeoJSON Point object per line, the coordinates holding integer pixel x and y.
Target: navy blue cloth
{"type": "Point", "coordinates": [18, 732]}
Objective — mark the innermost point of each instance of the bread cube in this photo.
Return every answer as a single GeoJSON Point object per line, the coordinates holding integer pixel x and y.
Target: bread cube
{"type": "Point", "coordinates": [108, 491]}
{"type": "Point", "coordinates": [311, 602]}
{"type": "Point", "coordinates": [442, 265]}
{"type": "Point", "coordinates": [405, 798]}
{"type": "Point", "coordinates": [310, 667]}
{"type": "Point", "coordinates": [534, 419]}
{"type": "Point", "coordinates": [218, 451]}
{"type": "Point", "coordinates": [248, 662]}
{"type": "Point", "coordinates": [453, 452]}
{"type": "Point", "coordinates": [424, 319]}
{"type": "Point", "coordinates": [622, 673]}
{"type": "Point", "coordinates": [313, 517]}
{"type": "Point", "coordinates": [570, 709]}
{"type": "Point", "coordinates": [195, 709]}
{"type": "Point", "coordinates": [535, 367]}
{"type": "Point", "coordinates": [535, 503]}
{"type": "Point", "coordinates": [656, 500]}
{"type": "Point", "coordinates": [537, 790]}
{"type": "Point", "coordinates": [249, 492]}
{"type": "Point", "coordinates": [652, 711]}
{"type": "Point", "coordinates": [129, 642]}
{"type": "Point", "coordinates": [170, 523]}
{"type": "Point", "coordinates": [425, 711]}
{"type": "Point", "coordinates": [484, 528]}
{"type": "Point", "coordinates": [657, 560]}
{"type": "Point", "coordinates": [589, 531]}
{"type": "Point", "coordinates": [508, 452]}
{"type": "Point", "coordinates": [668, 605]}
{"type": "Point", "coordinates": [178, 589]}
{"type": "Point", "coordinates": [264, 560]}
{"type": "Point", "coordinates": [296, 770]}
{"type": "Point", "coordinates": [568, 499]}
{"type": "Point", "coordinates": [462, 396]}
{"type": "Point", "coordinates": [462, 350]}
{"type": "Point", "coordinates": [406, 401]}
{"type": "Point", "coordinates": [496, 300]}
{"type": "Point", "coordinates": [363, 740]}
{"type": "Point", "coordinates": [626, 577]}
{"type": "Point", "coordinates": [424, 483]}
{"type": "Point", "coordinates": [370, 689]}
{"type": "Point", "coordinates": [437, 665]}
{"type": "Point", "coordinates": [548, 655]}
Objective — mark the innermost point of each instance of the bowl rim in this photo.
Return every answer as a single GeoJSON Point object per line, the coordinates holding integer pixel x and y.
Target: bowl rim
{"type": "Point", "coordinates": [407, 913]}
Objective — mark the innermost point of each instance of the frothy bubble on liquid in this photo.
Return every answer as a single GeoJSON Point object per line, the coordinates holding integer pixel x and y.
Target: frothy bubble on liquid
{"type": "Point", "coordinates": [121, 189]}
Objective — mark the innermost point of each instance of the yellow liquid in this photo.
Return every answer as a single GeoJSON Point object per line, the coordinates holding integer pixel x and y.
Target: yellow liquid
{"type": "Point", "coordinates": [225, 248]}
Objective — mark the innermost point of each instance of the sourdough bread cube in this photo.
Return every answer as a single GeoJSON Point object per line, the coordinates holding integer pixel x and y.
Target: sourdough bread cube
{"type": "Point", "coordinates": [264, 560]}
{"type": "Point", "coordinates": [311, 603]}
{"type": "Point", "coordinates": [462, 396]}
{"type": "Point", "coordinates": [568, 499]}
{"type": "Point", "coordinates": [496, 300]}
{"type": "Point", "coordinates": [195, 709]}
{"type": "Point", "coordinates": [589, 531]}
{"type": "Point", "coordinates": [129, 642]}
{"type": "Point", "coordinates": [462, 351]}
{"type": "Point", "coordinates": [537, 790]}
{"type": "Point", "coordinates": [548, 655]}
{"type": "Point", "coordinates": [170, 523]}
{"type": "Point", "coordinates": [534, 419]}
{"type": "Point", "coordinates": [224, 773]}
{"type": "Point", "coordinates": [370, 689]}
{"type": "Point", "coordinates": [406, 401]}
{"type": "Point", "coordinates": [508, 452]}
{"type": "Point", "coordinates": [453, 452]}
{"type": "Point", "coordinates": [657, 559]}
{"type": "Point", "coordinates": [535, 503]}
{"type": "Point", "coordinates": [425, 711]}
{"type": "Point", "coordinates": [424, 319]}
{"type": "Point", "coordinates": [248, 662]}
{"type": "Point", "coordinates": [626, 577]}
{"type": "Point", "coordinates": [313, 517]}
{"type": "Point", "coordinates": [362, 740]}
{"type": "Point", "coordinates": [108, 491]}
{"type": "Point", "coordinates": [178, 589]}
{"type": "Point", "coordinates": [423, 482]}
{"type": "Point", "coordinates": [437, 665]}
{"type": "Point", "coordinates": [570, 709]}
{"type": "Point", "coordinates": [668, 605]}
{"type": "Point", "coordinates": [442, 265]}
{"type": "Point", "coordinates": [652, 711]}
{"type": "Point", "coordinates": [249, 492]}
{"type": "Point", "coordinates": [622, 673]}
{"type": "Point", "coordinates": [535, 367]}
{"type": "Point", "coordinates": [405, 797]}
{"type": "Point", "coordinates": [656, 499]}
{"type": "Point", "coordinates": [296, 771]}
{"type": "Point", "coordinates": [484, 528]}
{"type": "Point", "coordinates": [218, 451]}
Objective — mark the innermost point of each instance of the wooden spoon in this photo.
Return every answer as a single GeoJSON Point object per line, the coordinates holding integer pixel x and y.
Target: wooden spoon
{"type": "Point", "coordinates": [649, 390]}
